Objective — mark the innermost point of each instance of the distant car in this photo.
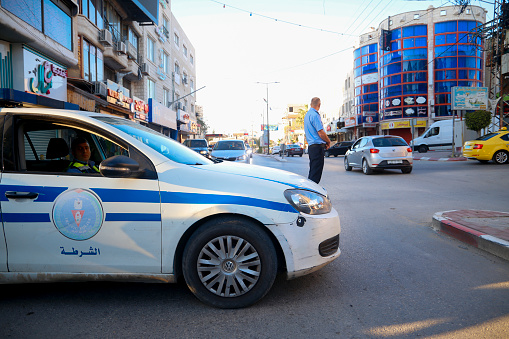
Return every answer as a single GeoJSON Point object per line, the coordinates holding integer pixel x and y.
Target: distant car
{"type": "Point", "coordinates": [230, 150]}
{"type": "Point", "coordinates": [198, 145]}
{"type": "Point", "coordinates": [379, 152]}
{"type": "Point", "coordinates": [276, 150]}
{"type": "Point", "coordinates": [493, 146]}
{"type": "Point", "coordinates": [339, 148]}
{"type": "Point", "coordinates": [295, 149]}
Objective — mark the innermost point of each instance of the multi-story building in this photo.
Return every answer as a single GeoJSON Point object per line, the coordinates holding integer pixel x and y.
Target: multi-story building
{"type": "Point", "coordinates": [404, 72]}
{"type": "Point", "coordinates": [127, 58]}
{"type": "Point", "coordinates": [293, 132]}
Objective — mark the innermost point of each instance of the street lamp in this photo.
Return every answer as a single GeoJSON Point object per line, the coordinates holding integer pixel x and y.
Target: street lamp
{"type": "Point", "coordinates": [268, 128]}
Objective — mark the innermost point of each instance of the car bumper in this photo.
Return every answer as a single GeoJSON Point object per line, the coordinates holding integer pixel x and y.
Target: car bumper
{"type": "Point", "coordinates": [470, 154]}
{"type": "Point", "coordinates": [384, 164]}
{"type": "Point", "coordinates": [311, 246]}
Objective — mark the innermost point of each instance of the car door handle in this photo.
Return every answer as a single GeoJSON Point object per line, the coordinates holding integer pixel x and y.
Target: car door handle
{"type": "Point", "coordinates": [21, 195]}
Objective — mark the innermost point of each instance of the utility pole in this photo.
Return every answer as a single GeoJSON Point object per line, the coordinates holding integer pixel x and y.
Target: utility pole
{"type": "Point", "coordinates": [268, 127]}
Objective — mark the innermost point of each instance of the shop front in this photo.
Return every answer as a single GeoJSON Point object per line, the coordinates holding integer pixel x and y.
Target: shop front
{"type": "Point", "coordinates": [162, 119]}
{"type": "Point", "coordinates": [187, 125]}
{"type": "Point", "coordinates": [403, 128]}
{"type": "Point", "coordinates": [118, 101]}
{"type": "Point", "coordinates": [30, 79]}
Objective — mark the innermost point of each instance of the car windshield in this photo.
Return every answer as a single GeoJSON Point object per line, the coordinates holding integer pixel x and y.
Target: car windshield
{"type": "Point", "coordinates": [487, 136]}
{"type": "Point", "coordinates": [389, 142]}
{"type": "Point", "coordinates": [157, 141]}
{"type": "Point", "coordinates": [228, 145]}
{"type": "Point", "coordinates": [197, 143]}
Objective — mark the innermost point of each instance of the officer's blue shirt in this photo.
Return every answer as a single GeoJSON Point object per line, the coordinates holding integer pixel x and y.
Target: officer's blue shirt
{"type": "Point", "coordinates": [313, 124]}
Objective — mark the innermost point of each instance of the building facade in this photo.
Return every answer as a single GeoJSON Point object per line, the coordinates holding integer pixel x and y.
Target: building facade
{"type": "Point", "coordinates": [405, 70]}
{"type": "Point", "coordinates": [126, 58]}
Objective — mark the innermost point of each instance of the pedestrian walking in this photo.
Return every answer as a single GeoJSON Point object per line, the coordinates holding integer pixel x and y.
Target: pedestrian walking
{"type": "Point", "coordinates": [317, 139]}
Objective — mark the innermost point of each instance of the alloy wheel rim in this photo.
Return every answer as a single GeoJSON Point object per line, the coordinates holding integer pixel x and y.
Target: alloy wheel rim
{"type": "Point", "coordinates": [501, 157]}
{"type": "Point", "coordinates": [229, 266]}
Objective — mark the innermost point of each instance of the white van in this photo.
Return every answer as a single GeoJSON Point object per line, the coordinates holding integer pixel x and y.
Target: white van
{"type": "Point", "coordinates": [439, 136]}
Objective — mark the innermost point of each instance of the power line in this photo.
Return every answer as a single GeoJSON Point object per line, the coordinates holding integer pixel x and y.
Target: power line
{"type": "Point", "coordinates": [251, 13]}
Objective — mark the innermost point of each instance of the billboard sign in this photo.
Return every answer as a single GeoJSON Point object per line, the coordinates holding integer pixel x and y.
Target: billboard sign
{"type": "Point", "coordinates": [469, 98]}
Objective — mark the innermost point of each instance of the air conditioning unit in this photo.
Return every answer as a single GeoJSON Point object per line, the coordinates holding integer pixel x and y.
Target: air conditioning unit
{"type": "Point", "coordinates": [100, 89]}
{"type": "Point", "coordinates": [121, 47]}
{"type": "Point", "coordinates": [145, 68]}
{"type": "Point", "coordinates": [132, 51]}
{"type": "Point", "coordinates": [105, 37]}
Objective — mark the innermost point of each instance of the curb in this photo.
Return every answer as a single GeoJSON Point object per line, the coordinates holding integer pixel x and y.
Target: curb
{"type": "Point", "coordinates": [472, 237]}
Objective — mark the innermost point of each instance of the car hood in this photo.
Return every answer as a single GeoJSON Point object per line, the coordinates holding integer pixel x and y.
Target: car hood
{"type": "Point", "coordinates": [251, 174]}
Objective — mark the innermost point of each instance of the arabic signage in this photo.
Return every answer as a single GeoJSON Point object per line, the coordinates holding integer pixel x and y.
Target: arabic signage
{"type": "Point", "coordinates": [350, 122]}
{"type": "Point", "coordinates": [271, 127]}
{"type": "Point", "coordinates": [43, 76]}
{"type": "Point", "coordinates": [469, 98]}
{"type": "Point", "coordinates": [401, 124]}
{"type": "Point", "coordinates": [161, 115]}
{"type": "Point", "coordinates": [140, 109]}
{"type": "Point", "coordinates": [118, 95]}
{"type": "Point", "coordinates": [183, 116]}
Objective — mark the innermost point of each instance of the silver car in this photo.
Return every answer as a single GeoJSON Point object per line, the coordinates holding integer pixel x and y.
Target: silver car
{"type": "Point", "coordinates": [230, 150]}
{"type": "Point", "coordinates": [379, 152]}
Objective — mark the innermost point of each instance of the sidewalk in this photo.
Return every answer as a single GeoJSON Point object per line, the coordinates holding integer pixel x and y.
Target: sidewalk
{"type": "Point", "coordinates": [438, 156]}
{"type": "Point", "coordinates": [486, 230]}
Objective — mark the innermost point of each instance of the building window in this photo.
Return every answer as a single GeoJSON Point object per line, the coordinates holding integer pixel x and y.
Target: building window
{"type": "Point", "coordinates": [166, 97]}
{"type": "Point", "coordinates": [177, 68]}
{"type": "Point", "coordinates": [45, 16]}
{"type": "Point", "coordinates": [176, 39]}
{"type": "Point", "coordinates": [416, 16]}
{"type": "Point", "coordinates": [184, 78]}
{"type": "Point", "coordinates": [191, 84]}
{"type": "Point", "coordinates": [184, 108]}
{"type": "Point", "coordinates": [92, 9]}
{"type": "Point", "coordinates": [113, 22]}
{"type": "Point", "coordinates": [184, 51]}
{"type": "Point", "coordinates": [166, 62]}
{"type": "Point", "coordinates": [166, 26]}
{"type": "Point", "coordinates": [151, 89]}
{"type": "Point", "coordinates": [191, 59]}
{"type": "Point", "coordinates": [443, 13]}
{"type": "Point", "coordinates": [93, 62]}
{"type": "Point", "coordinates": [150, 49]}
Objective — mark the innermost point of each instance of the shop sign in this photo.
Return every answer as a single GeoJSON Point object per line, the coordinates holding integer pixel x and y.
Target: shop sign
{"type": "Point", "coordinates": [161, 115]}
{"type": "Point", "coordinates": [350, 122]}
{"type": "Point", "coordinates": [118, 95]}
{"type": "Point", "coordinates": [368, 125]}
{"type": "Point", "coordinates": [183, 116]}
{"type": "Point", "coordinates": [43, 76]}
{"type": "Point", "coordinates": [401, 124]}
{"type": "Point", "coordinates": [370, 113]}
{"type": "Point", "coordinates": [140, 109]}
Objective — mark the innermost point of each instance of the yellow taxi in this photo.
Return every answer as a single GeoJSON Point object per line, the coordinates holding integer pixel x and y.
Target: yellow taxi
{"type": "Point", "coordinates": [493, 146]}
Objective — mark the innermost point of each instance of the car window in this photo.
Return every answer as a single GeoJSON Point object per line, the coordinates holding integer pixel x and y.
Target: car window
{"type": "Point", "coordinates": [169, 148]}
{"type": "Point", "coordinates": [363, 142]}
{"type": "Point", "coordinates": [389, 142]}
{"type": "Point", "coordinates": [357, 144]}
{"type": "Point", "coordinates": [229, 145]}
{"type": "Point", "coordinates": [487, 136]}
{"type": "Point", "coordinates": [505, 137]}
{"type": "Point", "coordinates": [197, 143]}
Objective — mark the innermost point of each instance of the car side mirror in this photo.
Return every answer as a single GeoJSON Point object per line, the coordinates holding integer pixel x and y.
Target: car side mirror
{"type": "Point", "coordinates": [119, 166]}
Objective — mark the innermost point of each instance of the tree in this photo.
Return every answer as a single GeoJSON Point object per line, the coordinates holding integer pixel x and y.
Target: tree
{"type": "Point", "coordinates": [478, 120]}
{"type": "Point", "coordinates": [202, 125]}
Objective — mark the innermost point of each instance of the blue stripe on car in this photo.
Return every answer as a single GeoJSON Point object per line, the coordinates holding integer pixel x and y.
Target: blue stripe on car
{"type": "Point", "coordinates": [126, 195]}
{"type": "Point", "coordinates": [46, 193]}
{"type": "Point", "coordinates": [25, 217]}
{"type": "Point", "coordinates": [133, 217]}
{"type": "Point", "coordinates": [198, 198]}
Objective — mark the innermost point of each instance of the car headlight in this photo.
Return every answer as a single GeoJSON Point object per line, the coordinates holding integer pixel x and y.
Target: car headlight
{"type": "Point", "coordinates": [203, 152]}
{"type": "Point", "coordinates": [308, 202]}
{"type": "Point", "coordinates": [242, 157]}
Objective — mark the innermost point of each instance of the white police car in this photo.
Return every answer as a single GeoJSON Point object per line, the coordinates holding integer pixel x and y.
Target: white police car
{"type": "Point", "coordinates": [156, 211]}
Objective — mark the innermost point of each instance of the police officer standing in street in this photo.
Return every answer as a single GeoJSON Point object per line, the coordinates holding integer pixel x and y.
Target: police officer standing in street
{"type": "Point", "coordinates": [317, 139]}
{"type": "Point", "coordinates": [81, 152]}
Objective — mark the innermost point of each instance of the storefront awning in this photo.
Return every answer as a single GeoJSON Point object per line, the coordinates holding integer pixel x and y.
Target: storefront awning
{"type": "Point", "coordinates": [12, 97]}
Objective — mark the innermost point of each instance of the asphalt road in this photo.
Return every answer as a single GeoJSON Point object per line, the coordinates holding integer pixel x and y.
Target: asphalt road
{"type": "Point", "coordinates": [395, 278]}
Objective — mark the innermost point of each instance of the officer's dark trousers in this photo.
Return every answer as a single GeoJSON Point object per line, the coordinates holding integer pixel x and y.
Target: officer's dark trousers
{"type": "Point", "coordinates": [316, 155]}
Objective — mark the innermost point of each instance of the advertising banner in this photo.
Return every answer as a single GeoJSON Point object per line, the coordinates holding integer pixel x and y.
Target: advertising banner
{"type": "Point", "coordinates": [401, 124]}
{"type": "Point", "coordinates": [161, 115]}
{"type": "Point", "coordinates": [43, 76]}
{"type": "Point", "coordinates": [469, 98]}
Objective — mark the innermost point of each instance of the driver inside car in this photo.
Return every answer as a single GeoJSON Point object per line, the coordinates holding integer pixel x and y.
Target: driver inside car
{"type": "Point", "coordinates": [81, 162]}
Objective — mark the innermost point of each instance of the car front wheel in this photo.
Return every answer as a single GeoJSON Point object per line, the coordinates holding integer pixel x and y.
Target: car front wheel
{"type": "Point", "coordinates": [229, 263]}
{"type": "Point", "coordinates": [347, 165]}
{"type": "Point", "coordinates": [501, 157]}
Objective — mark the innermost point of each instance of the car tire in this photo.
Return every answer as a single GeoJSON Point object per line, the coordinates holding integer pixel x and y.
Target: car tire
{"type": "Point", "coordinates": [422, 149]}
{"type": "Point", "coordinates": [483, 161]}
{"type": "Point", "coordinates": [348, 168]}
{"type": "Point", "coordinates": [300, 155]}
{"type": "Point", "coordinates": [213, 271]}
{"type": "Point", "coordinates": [335, 155]}
{"type": "Point", "coordinates": [365, 167]}
{"type": "Point", "coordinates": [501, 157]}
{"type": "Point", "coordinates": [406, 170]}
{"type": "Point", "coordinates": [327, 154]}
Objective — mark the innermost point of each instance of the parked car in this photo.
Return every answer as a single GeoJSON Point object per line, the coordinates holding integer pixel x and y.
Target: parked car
{"type": "Point", "coordinates": [230, 150]}
{"type": "Point", "coordinates": [276, 150]}
{"type": "Point", "coordinates": [294, 149]}
{"type": "Point", "coordinates": [198, 145]}
{"type": "Point", "coordinates": [157, 211]}
{"type": "Point", "coordinates": [493, 146]}
{"type": "Point", "coordinates": [339, 148]}
{"type": "Point", "coordinates": [379, 152]}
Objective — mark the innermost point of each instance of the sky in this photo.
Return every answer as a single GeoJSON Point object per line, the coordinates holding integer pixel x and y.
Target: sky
{"type": "Point", "coordinates": [306, 46]}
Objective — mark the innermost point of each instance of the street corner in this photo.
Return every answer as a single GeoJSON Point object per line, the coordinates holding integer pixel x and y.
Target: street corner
{"type": "Point", "coordinates": [486, 230]}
